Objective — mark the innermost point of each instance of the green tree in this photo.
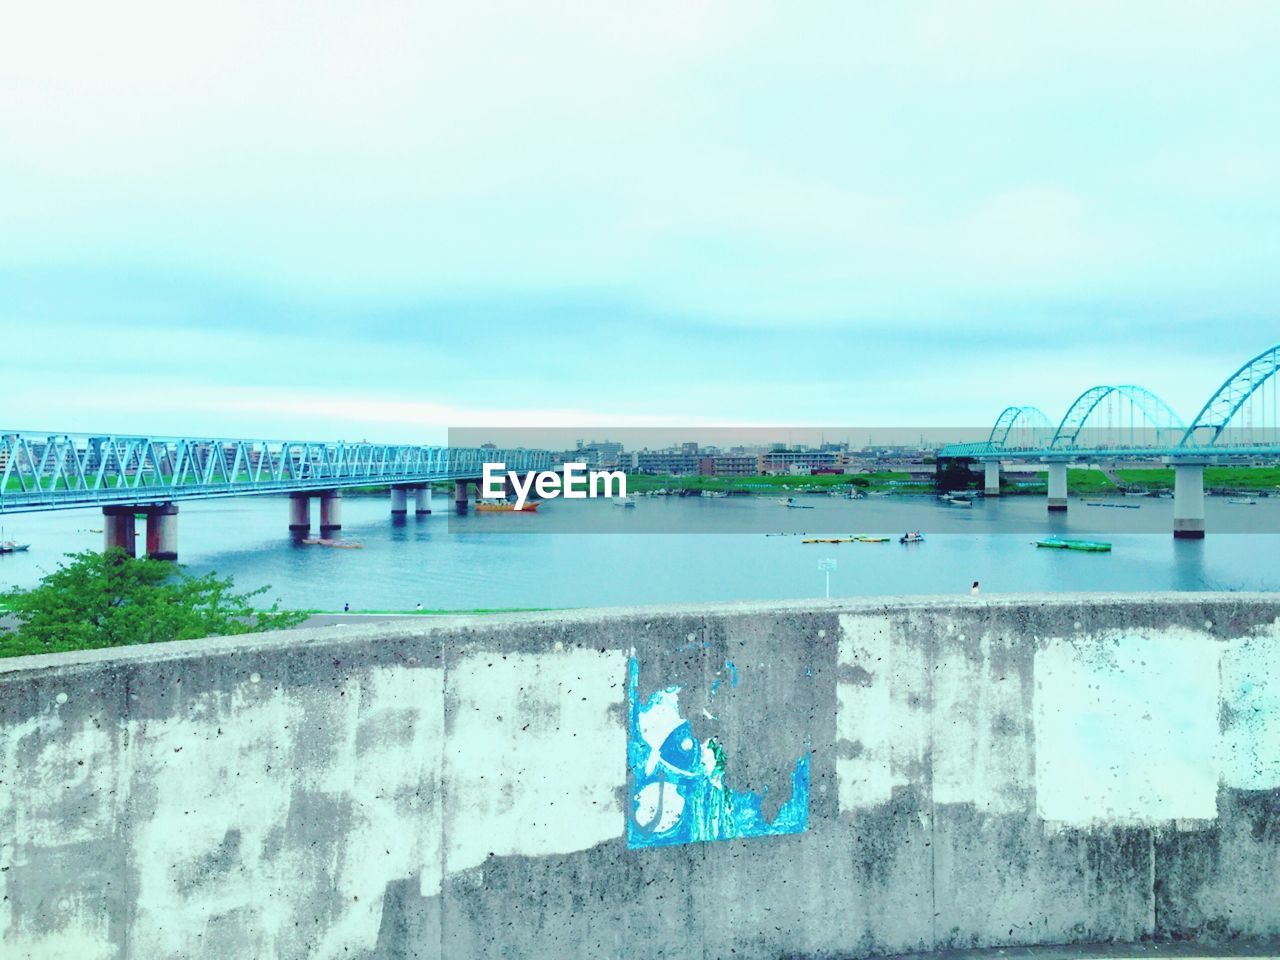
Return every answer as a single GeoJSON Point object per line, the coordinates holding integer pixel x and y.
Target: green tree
{"type": "Point", "coordinates": [111, 599]}
{"type": "Point", "coordinates": [953, 474]}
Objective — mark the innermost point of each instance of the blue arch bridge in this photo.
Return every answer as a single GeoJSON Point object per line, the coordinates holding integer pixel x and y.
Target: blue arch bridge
{"type": "Point", "coordinates": [1109, 425]}
{"type": "Point", "coordinates": [132, 477]}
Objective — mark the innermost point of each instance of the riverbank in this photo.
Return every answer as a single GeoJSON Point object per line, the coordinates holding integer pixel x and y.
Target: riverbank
{"type": "Point", "coordinates": [776, 485]}
{"type": "Point", "coordinates": [1089, 482]}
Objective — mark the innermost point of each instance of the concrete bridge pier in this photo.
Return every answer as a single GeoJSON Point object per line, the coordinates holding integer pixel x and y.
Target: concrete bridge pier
{"type": "Point", "coordinates": [460, 496]}
{"type": "Point", "coordinates": [119, 530]}
{"type": "Point", "coordinates": [991, 478]}
{"type": "Point", "coordinates": [1188, 501]}
{"type": "Point", "coordinates": [300, 512]}
{"type": "Point", "coordinates": [422, 501]}
{"type": "Point", "coordinates": [162, 531]}
{"type": "Point", "coordinates": [330, 511]}
{"type": "Point", "coordinates": [399, 505]}
{"type": "Point", "coordinates": [1057, 487]}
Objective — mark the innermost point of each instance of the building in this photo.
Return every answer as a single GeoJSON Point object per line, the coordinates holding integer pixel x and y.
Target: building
{"type": "Point", "coordinates": [729, 465]}
{"type": "Point", "coordinates": [666, 461]}
{"type": "Point", "coordinates": [598, 453]}
{"type": "Point", "coordinates": [800, 461]}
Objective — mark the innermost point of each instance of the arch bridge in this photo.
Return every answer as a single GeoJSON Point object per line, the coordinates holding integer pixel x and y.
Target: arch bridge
{"type": "Point", "coordinates": [1108, 424]}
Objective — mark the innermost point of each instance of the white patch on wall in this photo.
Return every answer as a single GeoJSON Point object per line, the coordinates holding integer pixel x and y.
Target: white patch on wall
{"type": "Point", "coordinates": [1127, 728]}
{"type": "Point", "coordinates": [535, 754]}
{"type": "Point", "coordinates": [882, 714]}
{"type": "Point", "coordinates": [981, 748]}
{"type": "Point", "coordinates": [57, 787]}
{"type": "Point", "coordinates": [391, 772]}
{"type": "Point", "coordinates": [1251, 712]}
{"type": "Point", "coordinates": [262, 804]}
{"type": "Point", "coordinates": [223, 768]}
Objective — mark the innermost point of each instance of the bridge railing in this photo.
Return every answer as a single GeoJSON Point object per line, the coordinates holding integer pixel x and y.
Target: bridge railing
{"type": "Point", "coordinates": [46, 471]}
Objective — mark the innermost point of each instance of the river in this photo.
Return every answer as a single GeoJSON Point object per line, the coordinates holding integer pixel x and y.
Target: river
{"type": "Point", "coordinates": [594, 554]}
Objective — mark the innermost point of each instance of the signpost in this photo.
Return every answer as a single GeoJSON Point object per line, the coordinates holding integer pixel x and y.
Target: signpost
{"type": "Point", "coordinates": [826, 566]}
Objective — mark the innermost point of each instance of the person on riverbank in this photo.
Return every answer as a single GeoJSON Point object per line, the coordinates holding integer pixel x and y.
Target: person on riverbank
{"type": "Point", "coordinates": [973, 591]}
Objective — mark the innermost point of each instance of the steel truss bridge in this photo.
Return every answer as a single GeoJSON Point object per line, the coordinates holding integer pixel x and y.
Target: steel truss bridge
{"type": "Point", "coordinates": [1241, 420]}
{"type": "Point", "coordinates": [44, 471]}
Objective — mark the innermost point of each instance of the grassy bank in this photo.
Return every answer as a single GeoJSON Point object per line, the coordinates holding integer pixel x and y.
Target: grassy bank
{"type": "Point", "coordinates": [1091, 482]}
{"type": "Point", "coordinates": [824, 483]}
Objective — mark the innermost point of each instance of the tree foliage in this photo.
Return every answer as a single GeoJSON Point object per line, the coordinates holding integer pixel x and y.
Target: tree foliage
{"type": "Point", "coordinates": [111, 599]}
{"type": "Point", "coordinates": [953, 474]}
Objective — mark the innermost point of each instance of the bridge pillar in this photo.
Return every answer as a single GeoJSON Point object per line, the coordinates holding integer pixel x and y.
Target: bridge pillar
{"type": "Point", "coordinates": [330, 511]}
{"type": "Point", "coordinates": [119, 529]}
{"type": "Point", "coordinates": [460, 496]}
{"type": "Point", "coordinates": [300, 512]}
{"type": "Point", "coordinates": [399, 506]}
{"type": "Point", "coordinates": [1057, 487]}
{"type": "Point", "coordinates": [162, 531]}
{"type": "Point", "coordinates": [1188, 501]}
{"type": "Point", "coordinates": [422, 501]}
{"type": "Point", "coordinates": [991, 480]}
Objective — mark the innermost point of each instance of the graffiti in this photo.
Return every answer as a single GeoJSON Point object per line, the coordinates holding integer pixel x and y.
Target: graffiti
{"type": "Point", "coordinates": [680, 793]}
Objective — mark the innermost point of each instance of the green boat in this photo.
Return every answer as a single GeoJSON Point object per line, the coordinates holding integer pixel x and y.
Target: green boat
{"type": "Point", "coordinates": [1089, 546]}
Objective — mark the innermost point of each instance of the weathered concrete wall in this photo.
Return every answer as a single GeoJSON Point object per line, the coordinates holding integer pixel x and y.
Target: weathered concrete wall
{"type": "Point", "coordinates": [868, 778]}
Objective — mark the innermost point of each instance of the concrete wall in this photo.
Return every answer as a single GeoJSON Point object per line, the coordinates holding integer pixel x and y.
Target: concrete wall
{"type": "Point", "coordinates": [974, 773]}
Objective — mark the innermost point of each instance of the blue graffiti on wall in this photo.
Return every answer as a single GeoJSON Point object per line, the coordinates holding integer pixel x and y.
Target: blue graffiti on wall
{"type": "Point", "coordinates": [680, 794]}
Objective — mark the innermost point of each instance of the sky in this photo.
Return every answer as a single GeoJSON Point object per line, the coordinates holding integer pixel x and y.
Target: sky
{"type": "Point", "coordinates": [380, 220]}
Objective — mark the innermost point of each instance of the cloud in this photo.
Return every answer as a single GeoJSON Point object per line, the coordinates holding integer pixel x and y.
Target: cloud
{"type": "Point", "coordinates": [737, 210]}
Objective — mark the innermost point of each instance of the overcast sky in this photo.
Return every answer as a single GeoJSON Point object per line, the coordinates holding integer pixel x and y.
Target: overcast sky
{"type": "Point", "coordinates": [381, 219]}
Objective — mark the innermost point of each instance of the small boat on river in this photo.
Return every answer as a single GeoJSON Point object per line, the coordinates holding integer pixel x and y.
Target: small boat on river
{"type": "Point", "coordinates": [1087, 546]}
{"type": "Point", "coordinates": [506, 506]}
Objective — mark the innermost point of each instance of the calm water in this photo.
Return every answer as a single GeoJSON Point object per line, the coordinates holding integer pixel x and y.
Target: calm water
{"type": "Point", "coordinates": [460, 563]}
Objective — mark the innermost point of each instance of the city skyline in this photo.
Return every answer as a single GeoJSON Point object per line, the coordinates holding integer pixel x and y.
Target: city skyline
{"type": "Point", "coordinates": [689, 214]}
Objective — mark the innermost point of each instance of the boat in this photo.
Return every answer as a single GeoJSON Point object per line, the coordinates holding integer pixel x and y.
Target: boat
{"type": "Point", "coordinates": [1088, 546]}
{"type": "Point", "coordinates": [12, 546]}
{"type": "Point", "coordinates": [336, 544]}
{"type": "Point", "coordinates": [506, 506]}
{"type": "Point", "coordinates": [1244, 501]}
{"type": "Point", "coordinates": [960, 502]}
{"type": "Point", "coordinates": [715, 493]}
{"type": "Point", "coordinates": [915, 537]}
{"type": "Point", "coordinates": [1114, 506]}
{"type": "Point", "coordinates": [829, 540]}
{"type": "Point", "coordinates": [624, 502]}
{"type": "Point", "coordinates": [866, 539]}
{"type": "Point", "coordinates": [790, 503]}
